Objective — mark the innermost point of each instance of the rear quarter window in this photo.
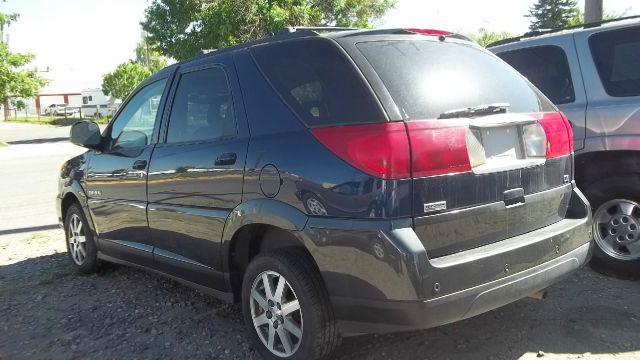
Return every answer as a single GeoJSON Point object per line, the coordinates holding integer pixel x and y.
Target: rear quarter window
{"type": "Point", "coordinates": [616, 54]}
{"type": "Point", "coordinates": [318, 82]}
{"type": "Point", "coordinates": [427, 78]}
{"type": "Point", "coordinates": [547, 68]}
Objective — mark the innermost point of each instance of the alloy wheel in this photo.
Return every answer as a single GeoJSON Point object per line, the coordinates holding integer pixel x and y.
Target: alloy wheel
{"type": "Point", "coordinates": [77, 240]}
{"type": "Point", "coordinates": [276, 313]}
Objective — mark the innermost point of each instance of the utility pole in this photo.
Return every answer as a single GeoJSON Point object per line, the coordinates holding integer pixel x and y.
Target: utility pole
{"type": "Point", "coordinates": [592, 11]}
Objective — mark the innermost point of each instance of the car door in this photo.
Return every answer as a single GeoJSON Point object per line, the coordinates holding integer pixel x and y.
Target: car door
{"type": "Point", "coordinates": [196, 174]}
{"type": "Point", "coordinates": [116, 179]}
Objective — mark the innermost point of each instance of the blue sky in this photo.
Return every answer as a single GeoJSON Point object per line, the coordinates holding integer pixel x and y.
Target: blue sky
{"type": "Point", "coordinates": [79, 40]}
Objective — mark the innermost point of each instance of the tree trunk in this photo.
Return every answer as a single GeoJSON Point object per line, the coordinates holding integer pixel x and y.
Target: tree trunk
{"type": "Point", "coordinates": [5, 106]}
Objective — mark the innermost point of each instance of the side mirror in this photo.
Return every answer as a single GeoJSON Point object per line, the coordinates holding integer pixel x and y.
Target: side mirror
{"type": "Point", "coordinates": [87, 134]}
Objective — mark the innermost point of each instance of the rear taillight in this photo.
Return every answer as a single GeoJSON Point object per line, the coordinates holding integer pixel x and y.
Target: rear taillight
{"type": "Point", "coordinates": [380, 150]}
{"type": "Point", "coordinates": [398, 150]}
{"type": "Point", "coordinates": [438, 147]}
{"type": "Point", "coordinates": [567, 123]}
{"type": "Point", "coordinates": [559, 134]}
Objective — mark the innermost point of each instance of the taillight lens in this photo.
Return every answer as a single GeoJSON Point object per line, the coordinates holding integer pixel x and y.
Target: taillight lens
{"type": "Point", "coordinates": [567, 123]}
{"type": "Point", "coordinates": [380, 150]}
{"type": "Point", "coordinates": [559, 134]}
{"type": "Point", "coordinates": [438, 147]}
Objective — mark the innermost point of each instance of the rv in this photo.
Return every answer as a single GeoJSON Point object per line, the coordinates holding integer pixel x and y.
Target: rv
{"type": "Point", "coordinates": [96, 104]}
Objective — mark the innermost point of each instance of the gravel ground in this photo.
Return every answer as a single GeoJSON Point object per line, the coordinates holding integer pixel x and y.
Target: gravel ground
{"type": "Point", "coordinates": [47, 311]}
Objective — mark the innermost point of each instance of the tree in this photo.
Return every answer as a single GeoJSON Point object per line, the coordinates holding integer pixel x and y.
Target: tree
{"type": "Point", "coordinates": [149, 57]}
{"type": "Point", "coordinates": [19, 104]}
{"type": "Point", "coordinates": [552, 14]}
{"type": "Point", "coordinates": [123, 80]}
{"type": "Point", "coordinates": [15, 79]}
{"type": "Point", "coordinates": [486, 37]}
{"type": "Point", "coordinates": [181, 28]}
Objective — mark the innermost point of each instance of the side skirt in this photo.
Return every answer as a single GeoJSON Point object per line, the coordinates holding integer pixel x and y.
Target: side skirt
{"type": "Point", "coordinates": [224, 296]}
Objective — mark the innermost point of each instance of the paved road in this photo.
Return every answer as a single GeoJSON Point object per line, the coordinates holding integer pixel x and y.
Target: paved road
{"type": "Point", "coordinates": [28, 171]}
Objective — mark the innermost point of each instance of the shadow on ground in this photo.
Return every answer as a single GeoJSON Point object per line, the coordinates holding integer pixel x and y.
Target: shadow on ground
{"type": "Point", "coordinates": [38, 141]}
{"type": "Point", "coordinates": [45, 310]}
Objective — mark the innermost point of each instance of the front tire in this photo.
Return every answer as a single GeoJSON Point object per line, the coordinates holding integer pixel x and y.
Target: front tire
{"type": "Point", "coordinates": [286, 307]}
{"type": "Point", "coordinates": [616, 228]}
{"type": "Point", "coordinates": [81, 246]}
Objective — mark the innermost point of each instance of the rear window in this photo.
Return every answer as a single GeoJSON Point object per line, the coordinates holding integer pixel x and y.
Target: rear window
{"type": "Point", "coordinates": [318, 82]}
{"type": "Point", "coordinates": [547, 68]}
{"type": "Point", "coordinates": [616, 54]}
{"type": "Point", "coordinates": [428, 78]}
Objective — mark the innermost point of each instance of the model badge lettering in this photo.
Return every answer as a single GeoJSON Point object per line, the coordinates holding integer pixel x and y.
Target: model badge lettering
{"type": "Point", "coordinates": [435, 206]}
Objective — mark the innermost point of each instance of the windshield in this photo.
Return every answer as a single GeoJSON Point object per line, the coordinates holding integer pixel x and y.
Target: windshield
{"type": "Point", "coordinates": [428, 78]}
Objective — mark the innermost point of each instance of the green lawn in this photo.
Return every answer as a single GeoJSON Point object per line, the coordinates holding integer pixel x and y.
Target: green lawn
{"type": "Point", "coordinates": [51, 120]}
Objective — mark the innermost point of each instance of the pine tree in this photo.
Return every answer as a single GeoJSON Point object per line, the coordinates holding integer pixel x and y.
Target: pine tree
{"type": "Point", "coordinates": [552, 14]}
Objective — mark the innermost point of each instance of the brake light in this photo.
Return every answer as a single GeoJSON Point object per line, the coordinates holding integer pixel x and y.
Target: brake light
{"type": "Point", "coordinates": [429, 32]}
{"type": "Point", "coordinates": [567, 123]}
{"type": "Point", "coordinates": [438, 147]}
{"type": "Point", "coordinates": [380, 150]}
{"type": "Point", "coordinates": [559, 134]}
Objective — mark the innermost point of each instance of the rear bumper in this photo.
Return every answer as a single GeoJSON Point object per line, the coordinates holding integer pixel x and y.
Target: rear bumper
{"type": "Point", "coordinates": [380, 277]}
{"type": "Point", "coordinates": [366, 316]}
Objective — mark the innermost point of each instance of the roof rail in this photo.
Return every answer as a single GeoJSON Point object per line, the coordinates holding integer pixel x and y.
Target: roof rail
{"type": "Point", "coordinates": [551, 31]}
{"type": "Point", "coordinates": [292, 29]}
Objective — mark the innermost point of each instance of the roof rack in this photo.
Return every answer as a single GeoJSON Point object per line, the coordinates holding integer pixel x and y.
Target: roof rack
{"type": "Point", "coordinates": [292, 29]}
{"type": "Point", "coordinates": [551, 31]}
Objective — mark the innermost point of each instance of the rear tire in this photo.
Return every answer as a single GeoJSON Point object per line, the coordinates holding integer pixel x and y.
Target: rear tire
{"type": "Point", "coordinates": [300, 313]}
{"type": "Point", "coordinates": [614, 201]}
{"type": "Point", "coordinates": [81, 246]}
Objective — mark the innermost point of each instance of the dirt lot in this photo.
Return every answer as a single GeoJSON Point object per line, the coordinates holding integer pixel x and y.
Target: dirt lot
{"type": "Point", "coordinates": [46, 311]}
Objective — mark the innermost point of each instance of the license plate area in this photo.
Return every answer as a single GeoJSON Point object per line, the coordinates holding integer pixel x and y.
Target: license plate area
{"type": "Point", "coordinates": [498, 148]}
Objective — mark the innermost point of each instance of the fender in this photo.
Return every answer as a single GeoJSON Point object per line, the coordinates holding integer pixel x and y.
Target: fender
{"type": "Point", "coordinates": [76, 189]}
{"type": "Point", "coordinates": [260, 211]}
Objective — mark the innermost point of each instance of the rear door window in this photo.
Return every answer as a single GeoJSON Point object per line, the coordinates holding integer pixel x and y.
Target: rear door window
{"type": "Point", "coordinates": [202, 108]}
{"type": "Point", "coordinates": [616, 54]}
{"type": "Point", "coordinates": [547, 68]}
{"type": "Point", "coordinates": [318, 82]}
{"type": "Point", "coordinates": [427, 78]}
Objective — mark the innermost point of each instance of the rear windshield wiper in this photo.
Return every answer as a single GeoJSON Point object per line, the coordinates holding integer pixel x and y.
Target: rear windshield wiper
{"type": "Point", "coordinates": [489, 109]}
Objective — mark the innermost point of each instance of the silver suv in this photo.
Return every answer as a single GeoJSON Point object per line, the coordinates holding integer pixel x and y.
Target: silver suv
{"type": "Point", "coordinates": [592, 73]}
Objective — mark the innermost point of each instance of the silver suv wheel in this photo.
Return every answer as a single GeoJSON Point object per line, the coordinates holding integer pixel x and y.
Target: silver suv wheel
{"type": "Point", "coordinates": [276, 313]}
{"type": "Point", "coordinates": [617, 229]}
{"type": "Point", "coordinates": [77, 240]}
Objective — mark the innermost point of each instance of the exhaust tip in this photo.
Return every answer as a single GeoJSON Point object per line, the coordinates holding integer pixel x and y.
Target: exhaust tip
{"type": "Point", "coordinates": [539, 295]}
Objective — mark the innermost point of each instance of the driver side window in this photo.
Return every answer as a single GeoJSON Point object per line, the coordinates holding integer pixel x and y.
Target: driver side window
{"type": "Point", "coordinates": [134, 125]}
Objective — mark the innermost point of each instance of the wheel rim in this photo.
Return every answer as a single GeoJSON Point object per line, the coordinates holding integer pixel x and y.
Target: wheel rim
{"type": "Point", "coordinates": [617, 229]}
{"type": "Point", "coordinates": [77, 240]}
{"type": "Point", "coordinates": [316, 207]}
{"type": "Point", "coordinates": [276, 314]}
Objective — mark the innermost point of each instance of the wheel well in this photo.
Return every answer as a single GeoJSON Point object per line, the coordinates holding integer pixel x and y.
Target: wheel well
{"type": "Point", "coordinates": [251, 240]}
{"type": "Point", "coordinates": [67, 201]}
{"type": "Point", "coordinates": [596, 166]}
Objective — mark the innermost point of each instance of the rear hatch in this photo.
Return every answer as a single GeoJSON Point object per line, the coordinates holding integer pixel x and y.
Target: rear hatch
{"type": "Point", "coordinates": [491, 158]}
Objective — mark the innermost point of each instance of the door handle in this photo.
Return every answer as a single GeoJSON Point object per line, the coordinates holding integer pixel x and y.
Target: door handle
{"type": "Point", "coordinates": [140, 165]}
{"type": "Point", "coordinates": [226, 159]}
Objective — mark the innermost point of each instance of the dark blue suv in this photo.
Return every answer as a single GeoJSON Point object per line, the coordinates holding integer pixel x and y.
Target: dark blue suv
{"type": "Point", "coordinates": [354, 182]}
